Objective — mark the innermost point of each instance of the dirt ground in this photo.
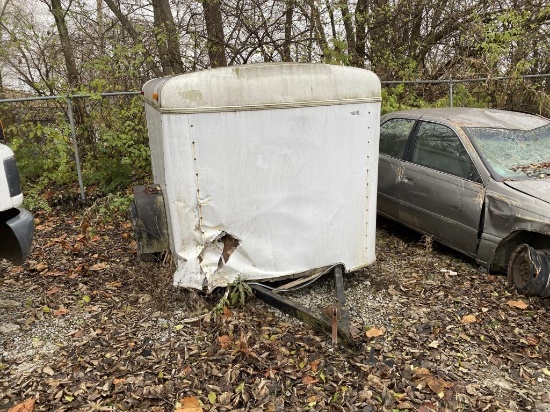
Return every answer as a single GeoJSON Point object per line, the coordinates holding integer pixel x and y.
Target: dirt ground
{"type": "Point", "coordinates": [86, 326]}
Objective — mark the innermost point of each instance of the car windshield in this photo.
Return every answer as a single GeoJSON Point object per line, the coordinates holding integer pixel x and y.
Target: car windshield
{"type": "Point", "coordinates": [515, 154]}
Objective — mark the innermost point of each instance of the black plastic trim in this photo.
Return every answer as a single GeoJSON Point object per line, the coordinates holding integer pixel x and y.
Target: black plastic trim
{"type": "Point", "coordinates": [12, 175]}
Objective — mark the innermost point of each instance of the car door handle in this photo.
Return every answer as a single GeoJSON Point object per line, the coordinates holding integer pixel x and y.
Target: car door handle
{"type": "Point", "coordinates": [409, 180]}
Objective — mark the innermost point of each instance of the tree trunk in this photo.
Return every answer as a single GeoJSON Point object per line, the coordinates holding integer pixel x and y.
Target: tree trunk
{"type": "Point", "coordinates": [379, 38]}
{"type": "Point", "coordinates": [67, 48]}
{"type": "Point", "coordinates": [361, 10]}
{"type": "Point", "coordinates": [350, 32]}
{"type": "Point", "coordinates": [2, 13]}
{"type": "Point", "coordinates": [330, 10]}
{"type": "Point", "coordinates": [318, 26]}
{"type": "Point", "coordinates": [73, 76]}
{"type": "Point", "coordinates": [288, 30]}
{"type": "Point", "coordinates": [214, 31]}
{"type": "Point", "coordinates": [100, 26]}
{"type": "Point", "coordinates": [167, 38]}
{"type": "Point", "coordinates": [127, 26]}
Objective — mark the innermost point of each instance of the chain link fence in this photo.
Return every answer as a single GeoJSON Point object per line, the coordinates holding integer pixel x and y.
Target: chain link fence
{"type": "Point", "coordinates": [57, 136]}
{"type": "Point", "coordinates": [529, 93]}
{"type": "Point", "coordinates": [105, 134]}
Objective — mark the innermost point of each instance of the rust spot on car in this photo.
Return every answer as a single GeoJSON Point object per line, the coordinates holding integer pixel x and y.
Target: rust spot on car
{"type": "Point", "coordinates": [399, 172]}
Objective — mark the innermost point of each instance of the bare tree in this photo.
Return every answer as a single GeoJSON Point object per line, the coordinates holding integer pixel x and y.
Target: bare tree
{"type": "Point", "coordinates": [214, 30]}
{"type": "Point", "coordinates": [318, 27]}
{"type": "Point", "coordinates": [361, 12]}
{"type": "Point", "coordinates": [167, 38]}
{"type": "Point", "coordinates": [288, 30]}
{"type": "Point", "coordinates": [136, 38]}
{"type": "Point", "coordinates": [347, 19]}
{"type": "Point", "coordinates": [68, 52]}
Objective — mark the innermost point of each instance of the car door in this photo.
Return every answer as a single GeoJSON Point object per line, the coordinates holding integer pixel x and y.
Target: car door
{"type": "Point", "coordinates": [394, 135]}
{"type": "Point", "coordinates": [441, 192]}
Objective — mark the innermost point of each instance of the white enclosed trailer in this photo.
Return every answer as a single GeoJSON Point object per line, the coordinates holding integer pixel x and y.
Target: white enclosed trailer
{"type": "Point", "coordinates": [267, 171]}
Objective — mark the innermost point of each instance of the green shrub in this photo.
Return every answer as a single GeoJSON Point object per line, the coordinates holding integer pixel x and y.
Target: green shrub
{"type": "Point", "coordinates": [121, 157]}
{"type": "Point", "coordinates": [45, 159]}
{"type": "Point", "coordinates": [112, 142]}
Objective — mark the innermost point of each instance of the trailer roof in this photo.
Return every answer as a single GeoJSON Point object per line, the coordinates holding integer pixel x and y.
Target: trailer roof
{"type": "Point", "coordinates": [262, 86]}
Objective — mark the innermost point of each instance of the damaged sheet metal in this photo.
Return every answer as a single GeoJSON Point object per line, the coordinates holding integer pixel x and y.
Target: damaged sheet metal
{"type": "Point", "coordinates": [529, 270]}
{"type": "Point", "coordinates": [268, 171]}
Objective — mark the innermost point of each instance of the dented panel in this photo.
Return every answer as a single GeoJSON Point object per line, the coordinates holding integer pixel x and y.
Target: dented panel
{"type": "Point", "coordinates": [510, 210]}
{"type": "Point", "coordinates": [289, 194]}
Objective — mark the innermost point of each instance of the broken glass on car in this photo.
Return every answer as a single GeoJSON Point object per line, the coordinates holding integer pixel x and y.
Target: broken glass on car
{"type": "Point", "coordinates": [514, 154]}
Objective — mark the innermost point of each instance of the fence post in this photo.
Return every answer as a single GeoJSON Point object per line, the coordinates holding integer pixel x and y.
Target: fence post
{"type": "Point", "coordinates": [76, 155]}
{"type": "Point", "coordinates": [451, 91]}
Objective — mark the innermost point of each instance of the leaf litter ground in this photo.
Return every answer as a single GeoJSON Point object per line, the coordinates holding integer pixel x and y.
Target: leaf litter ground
{"type": "Point", "coordinates": [85, 325]}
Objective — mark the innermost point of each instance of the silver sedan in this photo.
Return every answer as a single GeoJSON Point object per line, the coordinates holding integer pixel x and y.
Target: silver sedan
{"type": "Point", "coordinates": [478, 181]}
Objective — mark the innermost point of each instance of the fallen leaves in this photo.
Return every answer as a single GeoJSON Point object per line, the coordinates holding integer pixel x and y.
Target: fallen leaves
{"type": "Point", "coordinates": [467, 319]}
{"type": "Point", "coordinates": [434, 344]}
{"type": "Point", "coordinates": [53, 290]}
{"type": "Point", "coordinates": [225, 341]}
{"type": "Point", "coordinates": [517, 304]}
{"type": "Point", "coordinates": [99, 266]}
{"type": "Point", "coordinates": [308, 380]}
{"type": "Point", "coordinates": [227, 312]}
{"type": "Point", "coordinates": [41, 267]}
{"type": "Point", "coordinates": [424, 378]}
{"type": "Point", "coordinates": [188, 404]}
{"type": "Point", "coordinates": [374, 332]}
{"type": "Point", "coordinates": [530, 340]}
{"type": "Point", "coordinates": [314, 365]}
{"type": "Point", "coordinates": [186, 371]}
{"type": "Point", "coordinates": [61, 311]}
{"type": "Point", "coordinates": [26, 406]}
{"type": "Point", "coordinates": [118, 350]}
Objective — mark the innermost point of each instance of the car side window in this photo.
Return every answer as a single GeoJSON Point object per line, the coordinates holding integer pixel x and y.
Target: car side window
{"type": "Point", "coordinates": [438, 147]}
{"type": "Point", "coordinates": [394, 134]}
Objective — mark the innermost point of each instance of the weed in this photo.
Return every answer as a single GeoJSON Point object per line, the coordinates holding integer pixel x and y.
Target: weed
{"type": "Point", "coordinates": [239, 292]}
{"type": "Point", "coordinates": [427, 241]}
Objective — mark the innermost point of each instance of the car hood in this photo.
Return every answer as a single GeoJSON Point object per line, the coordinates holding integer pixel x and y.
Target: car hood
{"type": "Point", "coordinates": [539, 189]}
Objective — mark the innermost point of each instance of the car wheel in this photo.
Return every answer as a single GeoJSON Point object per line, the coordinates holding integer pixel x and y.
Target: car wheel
{"type": "Point", "coordinates": [529, 270]}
